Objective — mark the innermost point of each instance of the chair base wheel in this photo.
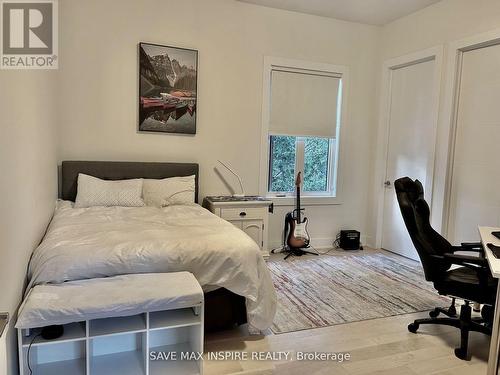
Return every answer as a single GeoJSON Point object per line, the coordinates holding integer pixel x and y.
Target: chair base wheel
{"type": "Point", "coordinates": [434, 313]}
{"type": "Point", "coordinates": [461, 354]}
{"type": "Point", "coordinates": [413, 328]}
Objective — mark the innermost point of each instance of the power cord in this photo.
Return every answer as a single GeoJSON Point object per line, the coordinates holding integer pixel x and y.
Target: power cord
{"type": "Point", "coordinates": [29, 349]}
{"type": "Point", "coordinates": [336, 243]}
{"type": "Point", "coordinates": [321, 252]}
{"type": "Point", "coordinates": [277, 250]}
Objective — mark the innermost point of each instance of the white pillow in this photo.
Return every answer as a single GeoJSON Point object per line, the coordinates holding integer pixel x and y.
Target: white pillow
{"type": "Point", "coordinates": [169, 191]}
{"type": "Point", "coordinates": [93, 191]}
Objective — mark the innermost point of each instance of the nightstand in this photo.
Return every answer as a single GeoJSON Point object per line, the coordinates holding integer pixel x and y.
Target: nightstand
{"type": "Point", "coordinates": [249, 213]}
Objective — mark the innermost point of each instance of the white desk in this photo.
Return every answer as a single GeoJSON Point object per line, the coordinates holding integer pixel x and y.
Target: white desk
{"type": "Point", "coordinates": [494, 263]}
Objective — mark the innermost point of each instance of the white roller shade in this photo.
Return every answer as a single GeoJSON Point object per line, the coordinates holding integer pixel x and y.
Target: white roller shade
{"type": "Point", "coordinates": [304, 103]}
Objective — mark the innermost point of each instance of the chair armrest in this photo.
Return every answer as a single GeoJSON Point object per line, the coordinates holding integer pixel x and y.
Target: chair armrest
{"type": "Point", "coordinates": [469, 246]}
{"type": "Point", "coordinates": [472, 245]}
{"type": "Point", "coordinates": [465, 259]}
{"type": "Point", "coordinates": [478, 264]}
{"type": "Point", "coordinates": [475, 263]}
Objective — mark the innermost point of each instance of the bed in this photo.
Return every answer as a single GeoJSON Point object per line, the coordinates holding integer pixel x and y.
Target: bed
{"type": "Point", "coordinates": [84, 243]}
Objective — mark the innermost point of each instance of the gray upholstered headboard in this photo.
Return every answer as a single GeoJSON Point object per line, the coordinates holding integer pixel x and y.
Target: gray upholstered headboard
{"type": "Point", "coordinates": [118, 170]}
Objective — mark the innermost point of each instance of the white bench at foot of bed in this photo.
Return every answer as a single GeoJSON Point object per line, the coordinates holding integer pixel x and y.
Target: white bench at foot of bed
{"type": "Point", "coordinates": [124, 325]}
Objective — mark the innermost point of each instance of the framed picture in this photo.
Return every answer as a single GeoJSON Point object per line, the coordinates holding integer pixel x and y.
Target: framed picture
{"type": "Point", "coordinates": [168, 79]}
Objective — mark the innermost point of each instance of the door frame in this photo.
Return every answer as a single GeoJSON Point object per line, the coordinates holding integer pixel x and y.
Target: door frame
{"type": "Point", "coordinates": [456, 51]}
{"type": "Point", "coordinates": [431, 54]}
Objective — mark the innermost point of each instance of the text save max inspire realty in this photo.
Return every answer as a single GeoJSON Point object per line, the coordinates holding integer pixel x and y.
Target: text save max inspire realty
{"type": "Point", "coordinates": [250, 356]}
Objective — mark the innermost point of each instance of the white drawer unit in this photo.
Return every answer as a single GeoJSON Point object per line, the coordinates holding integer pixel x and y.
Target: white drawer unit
{"type": "Point", "coordinates": [150, 343]}
{"type": "Point", "coordinates": [250, 214]}
{"type": "Point", "coordinates": [243, 213]}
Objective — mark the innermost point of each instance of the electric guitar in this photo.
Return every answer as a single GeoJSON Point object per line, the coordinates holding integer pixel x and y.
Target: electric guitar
{"type": "Point", "coordinates": [296, 227]}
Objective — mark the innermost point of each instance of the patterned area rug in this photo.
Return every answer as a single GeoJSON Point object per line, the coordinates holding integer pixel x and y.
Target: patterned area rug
{"type": "Point", "coordinates": [326, 290]}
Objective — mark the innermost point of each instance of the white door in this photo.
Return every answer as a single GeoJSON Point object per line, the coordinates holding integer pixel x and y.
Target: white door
{"type": "Point", "coordinates": [475, 192]}
{"type": "Point", "coordinates": [411, 142]}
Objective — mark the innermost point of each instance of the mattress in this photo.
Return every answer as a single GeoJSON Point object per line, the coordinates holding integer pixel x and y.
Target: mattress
{"type": "Point", "coordinates": [85, 243]}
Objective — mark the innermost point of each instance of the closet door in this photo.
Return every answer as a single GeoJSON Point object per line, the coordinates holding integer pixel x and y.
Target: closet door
{"type": "Point", "coordinates": [410, 150]}
{"type": "Point", "coordinates": [475, 183]}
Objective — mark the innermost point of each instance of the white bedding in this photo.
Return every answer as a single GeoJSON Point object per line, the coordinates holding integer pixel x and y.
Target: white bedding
{"type": "Point", "coordinates": [95, 242]}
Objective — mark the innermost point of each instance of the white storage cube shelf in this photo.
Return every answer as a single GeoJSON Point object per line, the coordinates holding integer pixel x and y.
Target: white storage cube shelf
{"type": "Point", "coordinates": [119, 346]}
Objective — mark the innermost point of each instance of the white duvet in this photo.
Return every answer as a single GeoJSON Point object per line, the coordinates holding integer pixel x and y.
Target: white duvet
{"type": "Point", "coordinates": [84, 243]}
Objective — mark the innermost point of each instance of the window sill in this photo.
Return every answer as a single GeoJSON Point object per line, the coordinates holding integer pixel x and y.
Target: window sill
{"type": "Point", "coordinates": [305, 201]}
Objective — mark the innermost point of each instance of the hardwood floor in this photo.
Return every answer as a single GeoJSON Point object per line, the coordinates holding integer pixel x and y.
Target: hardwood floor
{"type": "Point", "coordinates": [377, 347]}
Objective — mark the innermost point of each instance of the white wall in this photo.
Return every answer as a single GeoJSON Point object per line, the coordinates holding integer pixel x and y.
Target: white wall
{"type": "Point", "coordinates": [28, 189]}
{"type": "Point", "coordinates": [445, 21]}
{"type": "Point", "coordinates": [93, 101]}
{"type": "Point", "coordinates": [438, 24]}
{"type": "Point", "coordinates": [99, 74]}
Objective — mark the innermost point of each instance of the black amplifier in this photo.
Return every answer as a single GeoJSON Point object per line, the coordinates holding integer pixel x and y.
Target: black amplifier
{"type": "Point", "coordinates": [350, 239]}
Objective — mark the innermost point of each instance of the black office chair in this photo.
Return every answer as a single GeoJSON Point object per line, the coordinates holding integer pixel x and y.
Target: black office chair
{"type": "Point", "coordinates": [471, 282]}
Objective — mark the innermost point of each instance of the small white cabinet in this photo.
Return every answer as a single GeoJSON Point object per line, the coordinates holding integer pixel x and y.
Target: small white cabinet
{"type": "Point", "coordinates": [250, 214]}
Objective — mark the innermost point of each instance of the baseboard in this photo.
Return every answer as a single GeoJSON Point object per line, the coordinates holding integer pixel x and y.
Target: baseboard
{"type": "Point", "coordinates": [368, 241]}
{"type": "Point", "coordinates": [318, 243]}
{"type": "Point", "coordinates": [325, 243]}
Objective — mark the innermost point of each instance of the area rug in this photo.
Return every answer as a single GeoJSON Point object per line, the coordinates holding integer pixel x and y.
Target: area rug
{"type": "Point", "coordinates": [326, 290]}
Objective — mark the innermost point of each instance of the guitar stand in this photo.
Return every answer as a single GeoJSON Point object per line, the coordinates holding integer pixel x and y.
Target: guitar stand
{"type": "Point", "coordinates": [297, 252]}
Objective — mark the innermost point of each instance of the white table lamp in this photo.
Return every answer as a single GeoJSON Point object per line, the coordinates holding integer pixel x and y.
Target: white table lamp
{"type": "Point", "coordinates": [242, 195]}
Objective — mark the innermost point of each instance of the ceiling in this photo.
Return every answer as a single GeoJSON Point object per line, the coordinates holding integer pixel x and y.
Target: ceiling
{"type": "Point", "coordinates": [373, 12]}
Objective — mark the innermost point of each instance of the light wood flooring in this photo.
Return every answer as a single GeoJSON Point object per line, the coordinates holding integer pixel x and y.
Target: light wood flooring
{"type": "Point", "coordinates": [379, 346]}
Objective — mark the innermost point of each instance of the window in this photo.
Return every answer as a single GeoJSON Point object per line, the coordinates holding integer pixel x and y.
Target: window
{"type": "Point", "coordinates": [282, 163]}
{"type": "Point", "coordinates": [302, 132]}
{"type": "Point", "coordinates": [314, 156]}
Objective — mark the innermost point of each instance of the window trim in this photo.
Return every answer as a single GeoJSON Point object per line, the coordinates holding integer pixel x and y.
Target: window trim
{"type": "Point", "coordinates": [275, 63]}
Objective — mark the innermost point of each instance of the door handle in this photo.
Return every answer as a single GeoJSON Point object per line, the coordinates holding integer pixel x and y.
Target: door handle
{"type": "Point", "coordinates": [387, 183]}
